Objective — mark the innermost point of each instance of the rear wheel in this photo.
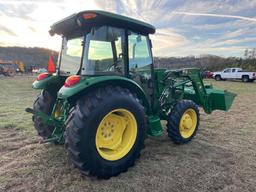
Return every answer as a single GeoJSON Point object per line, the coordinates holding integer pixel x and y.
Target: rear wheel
{"type": "Point", "coordinates": [44, 103]}
{"type": "Point", "coordinates": [183, 122]}
{"type": "Point", "coordinates": [105, 132]}
{"type": "Point", "coordinates": [245, 78]}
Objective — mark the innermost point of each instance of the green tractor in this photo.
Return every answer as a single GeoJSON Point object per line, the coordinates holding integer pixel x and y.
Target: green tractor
{"type": "Point", "coordinates": [106, 95]}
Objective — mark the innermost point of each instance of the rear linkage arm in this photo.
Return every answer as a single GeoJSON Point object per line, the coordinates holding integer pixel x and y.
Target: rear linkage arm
{"type": "Point", "coordinates": [57, 122]}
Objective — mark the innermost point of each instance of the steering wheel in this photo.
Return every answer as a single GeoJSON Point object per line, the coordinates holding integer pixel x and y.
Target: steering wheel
{"type": "Point", "coordinates": [115, 67]}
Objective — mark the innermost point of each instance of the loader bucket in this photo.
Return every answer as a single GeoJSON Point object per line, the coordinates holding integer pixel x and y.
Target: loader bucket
{"type": "Point", "coordinates": [220, 99]}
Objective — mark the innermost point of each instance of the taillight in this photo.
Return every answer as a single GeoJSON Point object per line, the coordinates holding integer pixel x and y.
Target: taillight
{"type": "Point", "coordinates": [42, 76]}
{"type": "Point", "coordinates": [72, 80]}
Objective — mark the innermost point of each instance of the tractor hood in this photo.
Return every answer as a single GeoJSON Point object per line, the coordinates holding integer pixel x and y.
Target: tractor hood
{"type": "Point", "coordinates": [85, 20]}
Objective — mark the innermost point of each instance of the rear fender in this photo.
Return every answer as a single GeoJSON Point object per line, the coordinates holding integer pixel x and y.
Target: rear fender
{"type": "Point", "coordinates": [86, 84]}
{"type": "Point", "coordinates": [52, 83]}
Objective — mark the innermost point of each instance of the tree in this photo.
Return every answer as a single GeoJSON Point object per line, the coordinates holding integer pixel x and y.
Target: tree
{"type": "Point", "coordinates": [250, 53]}
{"type": "Point", "coordinates": [246, 51]}
{"type": "Point", "coordinates": [254, 53]}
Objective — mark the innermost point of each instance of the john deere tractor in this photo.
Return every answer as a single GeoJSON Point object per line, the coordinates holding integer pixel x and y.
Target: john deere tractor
{"type": "Point", "coordinates": [106, 95]}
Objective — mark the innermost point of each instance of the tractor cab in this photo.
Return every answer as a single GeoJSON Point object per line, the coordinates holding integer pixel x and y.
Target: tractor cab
{"type": "Point", "coordinates": [103, 51]}
{"type": "Point", "coordinates": [97, 43]}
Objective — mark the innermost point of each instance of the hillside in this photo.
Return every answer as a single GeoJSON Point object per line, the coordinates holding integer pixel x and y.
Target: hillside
{"type": "Point", "coordinates": [38, 57]}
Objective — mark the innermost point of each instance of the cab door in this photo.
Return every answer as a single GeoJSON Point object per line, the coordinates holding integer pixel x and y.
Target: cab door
{"type": "Point", "coordinates": [226, 73]}
{"type": "Point", "coordinates": [233, 73]}
{"type": "Point", "coordinates": [140, 62]}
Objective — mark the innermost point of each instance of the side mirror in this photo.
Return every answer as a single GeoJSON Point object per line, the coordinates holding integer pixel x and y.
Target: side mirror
{"type": "Point", "coordinates": [120, 56]}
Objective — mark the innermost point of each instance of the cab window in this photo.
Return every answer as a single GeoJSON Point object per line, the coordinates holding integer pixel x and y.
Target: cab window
{"type": "Point", "coordinates": [227, 71]}
{"type": "Point", "coordinates": [139, 52]}
{"type": "Point", "coordinates": [140, 61]}
{"type": "Point", "coordinates": [71, 56]}
{"type": "Point", "coordinates": [103, 53]}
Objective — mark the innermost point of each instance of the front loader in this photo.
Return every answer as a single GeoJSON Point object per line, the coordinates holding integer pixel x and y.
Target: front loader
{"type": "Point", "coordinates": [106, 95]}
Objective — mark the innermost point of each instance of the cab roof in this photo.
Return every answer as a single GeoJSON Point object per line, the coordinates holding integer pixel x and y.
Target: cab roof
{"type": "Point", "coordinates": [85, 20]}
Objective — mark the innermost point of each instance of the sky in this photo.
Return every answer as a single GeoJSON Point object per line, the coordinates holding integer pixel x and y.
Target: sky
{"type": "Point", "coordinates": [183, 27]}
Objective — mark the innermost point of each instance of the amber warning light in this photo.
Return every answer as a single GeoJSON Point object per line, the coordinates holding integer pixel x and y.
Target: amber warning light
{"type": "Point", "coordinates": [88, 16]}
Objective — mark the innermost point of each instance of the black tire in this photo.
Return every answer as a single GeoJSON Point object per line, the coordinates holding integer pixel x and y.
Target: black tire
{"type": "Point", "coordinates": [44, 103]}
{"type": "Point", "coordinates": [174, 119]}
{"type": "Point", "coordinates": [82, 125]}
{"type": "Point", "coordinates": [245, 78]}
{"type": "Point", "coordinates": [11, 72]}
{"type": "Point", "coordinates": [217, 77]}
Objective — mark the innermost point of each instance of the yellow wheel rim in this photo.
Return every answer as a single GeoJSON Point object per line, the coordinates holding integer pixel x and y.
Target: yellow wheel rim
{"type": "Point", "coordinates": [188, 123]}
{"type": "Point", "coordinates": [116, 134]}
{"type": "Point", "coordinates": [57, 112]}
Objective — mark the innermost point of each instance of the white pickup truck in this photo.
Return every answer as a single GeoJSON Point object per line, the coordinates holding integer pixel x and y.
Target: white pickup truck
{"type": "Point", "coordinates": [234, 73]}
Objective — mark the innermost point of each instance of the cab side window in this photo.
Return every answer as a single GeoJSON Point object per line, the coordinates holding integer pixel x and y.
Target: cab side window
{"type": "Point", "coordinates": [140, 61]}
{"type": "Point", "coordinates": [227, 71]}
{"type": "Point", "coordinates": [139, 52]}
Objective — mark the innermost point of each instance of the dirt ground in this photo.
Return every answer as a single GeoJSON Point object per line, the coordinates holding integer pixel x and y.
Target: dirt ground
{"type": "Point", "coordinates": [222, 157]}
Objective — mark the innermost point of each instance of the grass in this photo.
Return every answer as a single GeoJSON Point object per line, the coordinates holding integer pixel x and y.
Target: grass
{"type": "Point", "coordinates": [16, 95]}
{"type": "Point", "coordinates": [222, 157]}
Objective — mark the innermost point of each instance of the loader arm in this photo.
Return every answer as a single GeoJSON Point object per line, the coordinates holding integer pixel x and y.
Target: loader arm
{"type": "Point", "coordinates": [199, 88]}
{"type": "Point", "coordinates": [205, 95]}
{"type": "Point", "coordinates": [192, 87]}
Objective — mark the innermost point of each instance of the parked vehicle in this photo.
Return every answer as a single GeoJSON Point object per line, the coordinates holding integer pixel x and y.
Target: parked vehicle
{"type": "Point", "coordinates": [207, 74]}
{"type": "Point", "coordinates": [234, 73]}
{"type": "Point", "coordinates": [10, 68]}
{"type": "Point", "coordinates": [7, 68]}
{"type": "Point", "coordinates": [42, 70]}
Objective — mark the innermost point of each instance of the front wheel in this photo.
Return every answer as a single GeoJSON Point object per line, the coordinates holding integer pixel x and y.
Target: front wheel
{"type": "Point", "coordinates": [183, 121]}
{"type": "Point", "coordinates": [217, 77]}
{"type": "Point", "coordinates": [105, 132]}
